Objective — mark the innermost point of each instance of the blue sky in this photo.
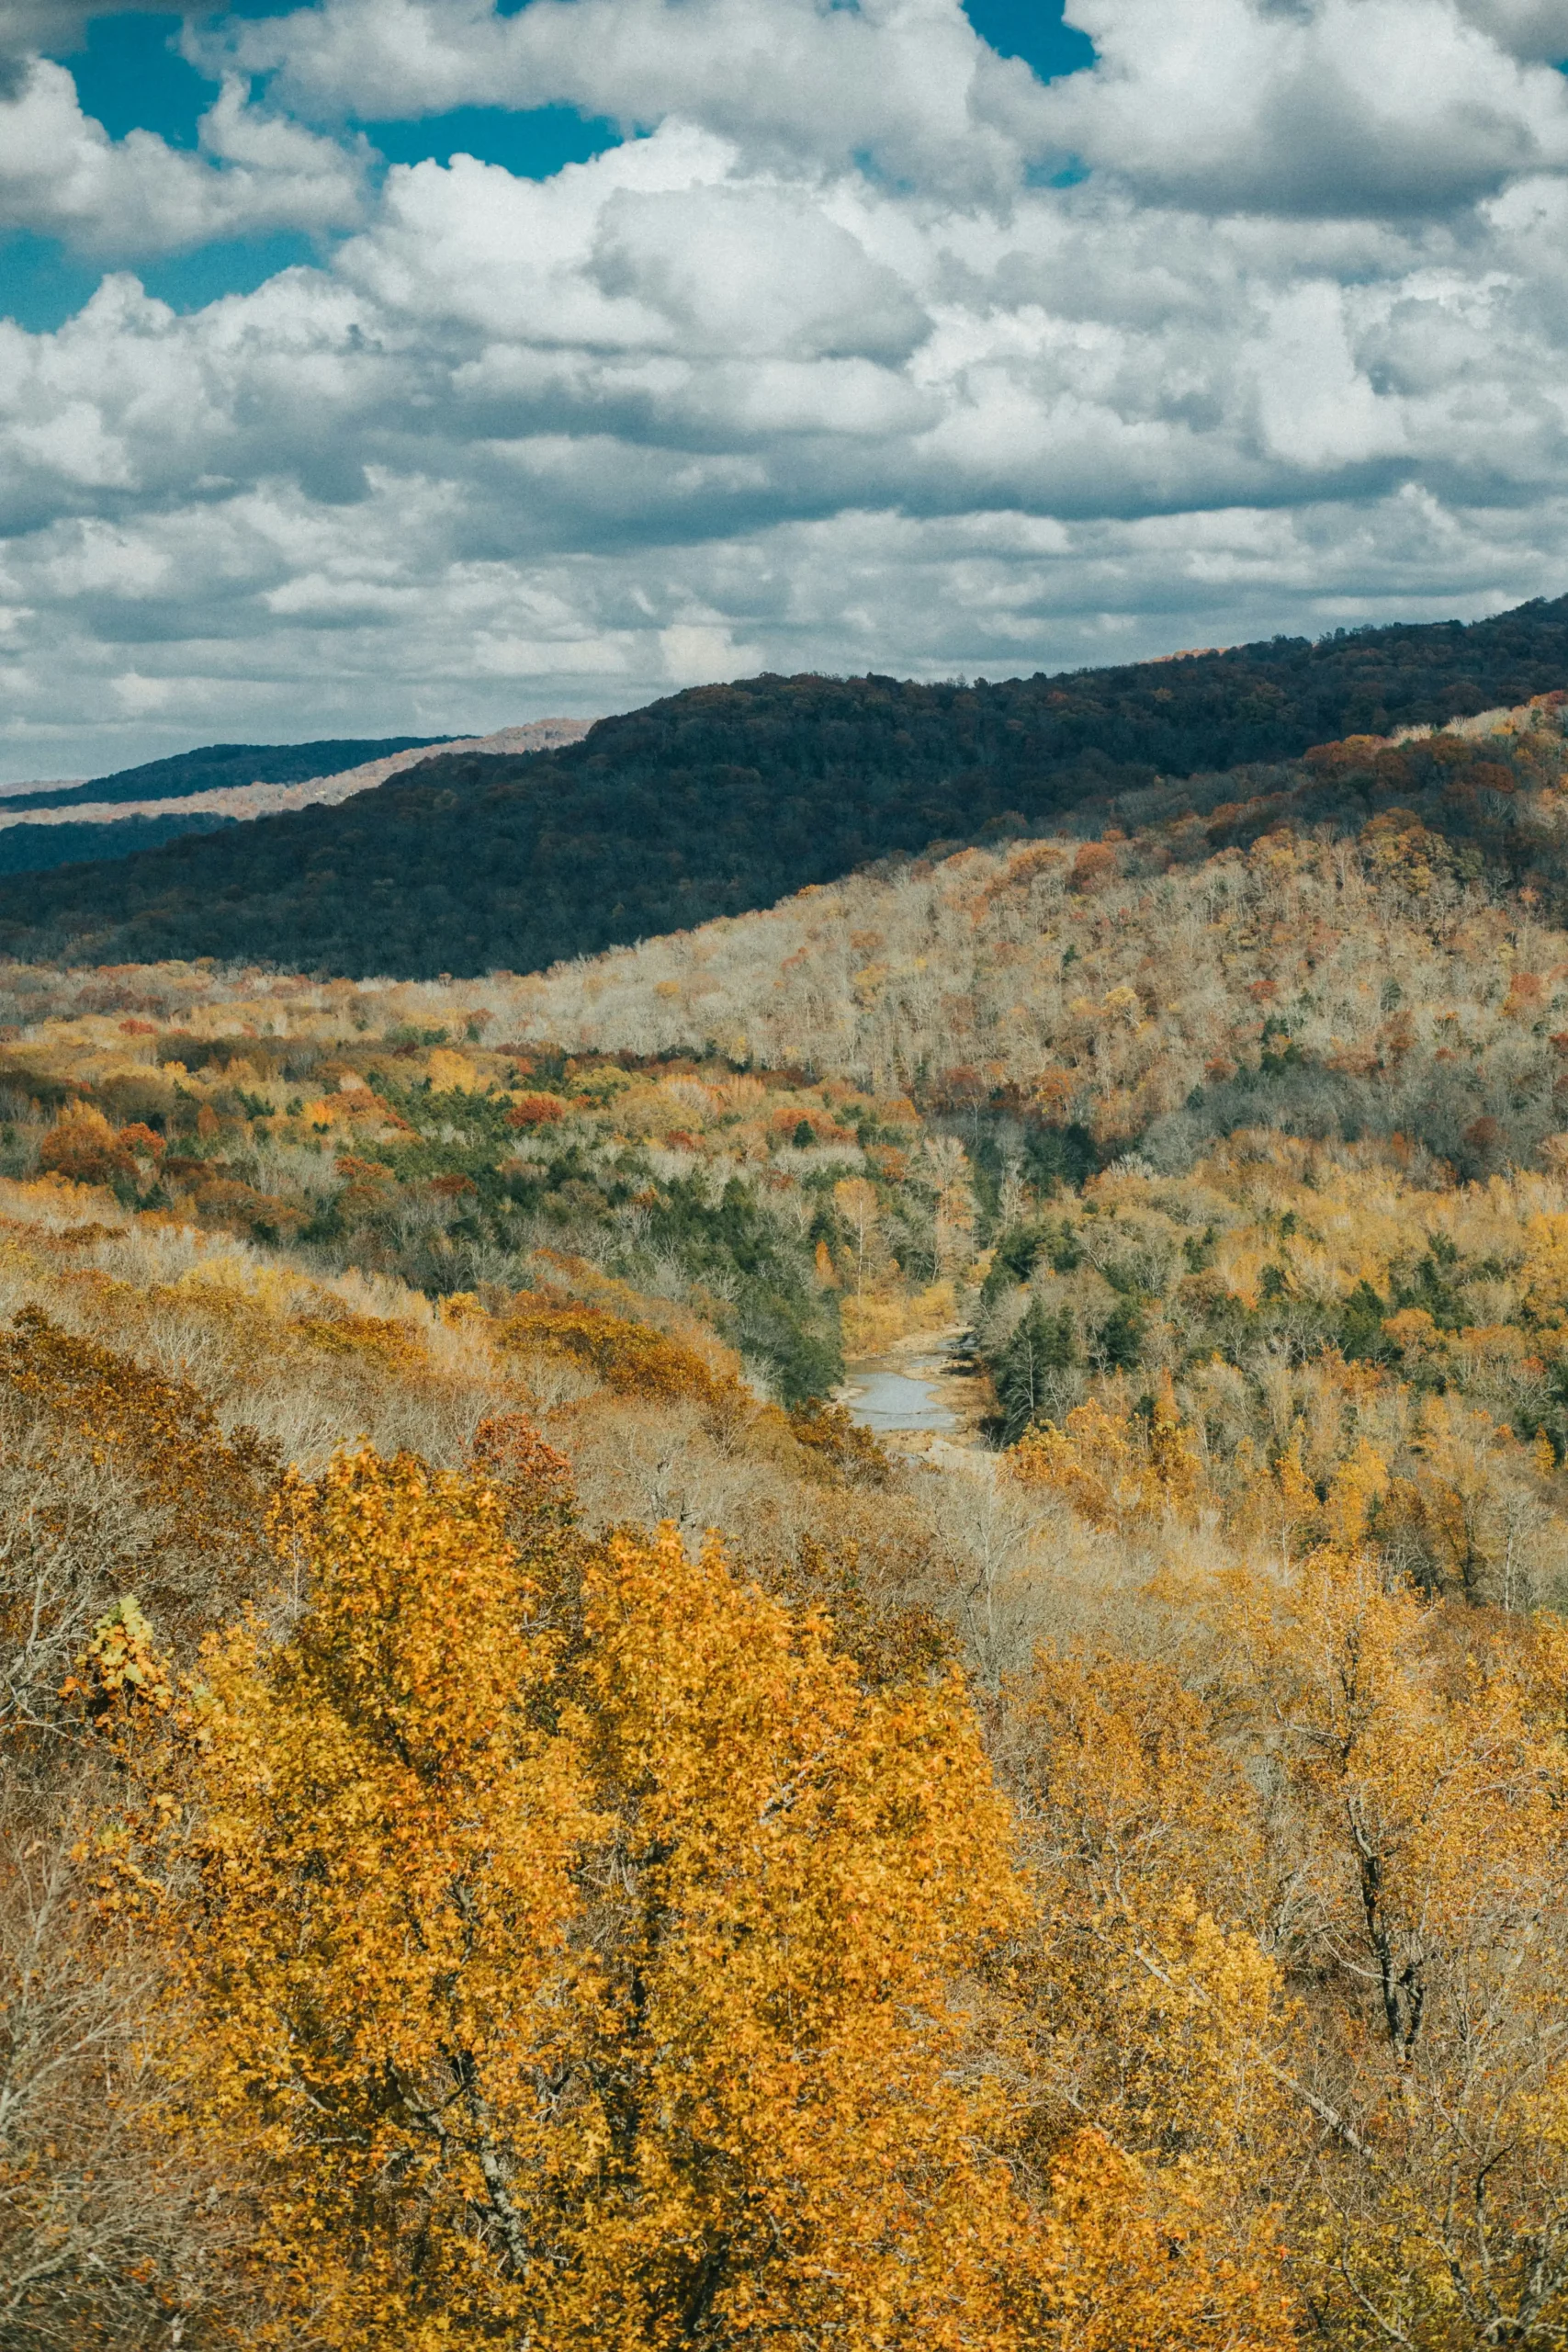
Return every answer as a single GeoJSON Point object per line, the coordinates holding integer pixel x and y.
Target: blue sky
{"type": "Point", "coordinates": [386, 366]}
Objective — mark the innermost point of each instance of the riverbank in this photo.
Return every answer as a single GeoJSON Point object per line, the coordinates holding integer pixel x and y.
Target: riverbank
{"type": "Point", "coordinates": [919, 1396]}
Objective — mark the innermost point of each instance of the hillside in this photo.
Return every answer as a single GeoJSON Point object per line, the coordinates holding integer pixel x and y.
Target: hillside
{"type": "Point", "coordinates": [1127, 1849]}
{"type": "Point", "coordinates": [38, 848]}
{"type": "Point", "coordinates": [217, 766]}
{"type": "Point", "coordinates": [729, 797]}
{"type": "Point", "coordinates": [144, 806]}
{"type": "Point", "coordinates": [1362, 942]}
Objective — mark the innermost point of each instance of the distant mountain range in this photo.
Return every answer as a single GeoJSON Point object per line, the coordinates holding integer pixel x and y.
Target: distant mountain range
{"type": "Point", "coordinates": [725, 799]}
{"type": "Point", "coordinates": [219, 764]}
{"type": "Point", "coordinates": [224, 784]}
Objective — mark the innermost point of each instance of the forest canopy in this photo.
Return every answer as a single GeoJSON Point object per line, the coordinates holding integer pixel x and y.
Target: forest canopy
{"type": "Point", "coordinates": [726, 798]}
{"type": "Point", "coordinates": [216, 765]}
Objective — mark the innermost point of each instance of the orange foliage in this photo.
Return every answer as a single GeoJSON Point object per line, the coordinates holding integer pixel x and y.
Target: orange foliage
{"type": "Point", "coordinates": [1093, 867]}
{"type": "Point", "coordinates": [536, 1111]}
{"type": "Point", "coordinates": [629, 1357]}
{"type": "Point", "coordinates": [83, 1147]}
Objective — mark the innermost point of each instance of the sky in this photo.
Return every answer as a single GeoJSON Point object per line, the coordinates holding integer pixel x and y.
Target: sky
{"type": "Point", "coordinates": [383, 366]}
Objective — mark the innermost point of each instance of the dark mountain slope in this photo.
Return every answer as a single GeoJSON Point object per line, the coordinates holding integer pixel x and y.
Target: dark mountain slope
{"type": "Point", "coordinates": [217, 765]}
{"type": "Point", "coordinates": [726, 798]}
{"type": "Point", "coordinates": [34, 849]}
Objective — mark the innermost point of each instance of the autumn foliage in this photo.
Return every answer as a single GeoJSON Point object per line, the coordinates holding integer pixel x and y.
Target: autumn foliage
{"type": "Point", "coordinates": [571, 1948]}
{"type": "Point", "coordinates": [524, 1822]}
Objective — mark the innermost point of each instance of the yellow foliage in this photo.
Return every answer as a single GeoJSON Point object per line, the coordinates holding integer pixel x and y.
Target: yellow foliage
{"type": "Point", "coordinates": [1545, 1274]}
{"type": "Point", "coordinates": [572, 1949]}
{"type": "Point", "coordinates": [1114, 1470]}
{"type": "Point", "coordinates": [452, 1073]}
{"type": "Point", "coordinates": [1137, 2267]}
{"type": "Point", "coordinates": [1150, 2020]}
{"type": "Point", "coordinates": [1425, 1785]}
{"type": "Point", "coordinates": [628, 1356]}
{"type": "Point", "coordinates": [1357, 1486]}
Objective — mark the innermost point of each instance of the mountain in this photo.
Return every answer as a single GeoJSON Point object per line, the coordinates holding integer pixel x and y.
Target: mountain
{"type": "Point", "coordinates": [164, 799]}
{"type": "Point", "coordinates": [37, 849]}
{"type": "Point", "coordinates": [217, 767]}
{"type": "Point", "coordinates": [725, 799]}
{"type": "Point", "coordinates": [117, 816]}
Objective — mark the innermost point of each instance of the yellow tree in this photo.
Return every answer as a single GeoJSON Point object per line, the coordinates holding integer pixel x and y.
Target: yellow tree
{"type": "Point", "coordinates": [570, 1951]}
{"type": "Point", "coordinates": [1418, 1778]}
{"type": "Point", "coordinates": [1113, 1470]}
{"type": "Point", "coordinates": [1151, 2017]}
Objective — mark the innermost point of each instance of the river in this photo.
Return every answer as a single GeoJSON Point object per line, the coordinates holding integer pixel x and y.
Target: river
{"type": "Point", "coordinates": [883, 1399]}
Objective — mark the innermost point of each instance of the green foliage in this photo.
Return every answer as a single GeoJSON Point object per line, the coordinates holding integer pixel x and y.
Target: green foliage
{"type": "Point", "coordinates": [1120, 1339]}
{"type": "Point", "coordinates": [1055, 1157]}
{"type": "Point", "coordinates": [1041, 1344]}
{"type": "Point", "coordinates": [1020, 1250]}
{"type": "Point", "coordinates": [752, 1267]}
{"type": "Point", "coordinates": [219, 766]}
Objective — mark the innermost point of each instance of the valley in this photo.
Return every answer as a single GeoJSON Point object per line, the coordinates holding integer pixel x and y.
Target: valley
{"type": "Point", "coordinates": [854, 1614]}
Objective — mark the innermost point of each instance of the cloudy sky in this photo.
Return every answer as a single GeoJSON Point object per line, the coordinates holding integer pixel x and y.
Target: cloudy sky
{"type": "Point", "coordinates": [429, 365]}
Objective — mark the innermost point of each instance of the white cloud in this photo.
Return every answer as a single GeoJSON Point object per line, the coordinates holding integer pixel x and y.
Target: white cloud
{"type": "Point", "coordinates": [817, 373]}
{"type": "Point", "coordinates": [61, 175]}
{"type": "Point", "coordinates": [1317, 409]}
{"type": "Point", "coordinates": [906, 83]}
{"type": "Point", "coordinates": [1328, 106]}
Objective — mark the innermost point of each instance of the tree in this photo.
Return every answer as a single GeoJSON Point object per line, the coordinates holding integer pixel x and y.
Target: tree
{"type": "Point", "coordinates": [1149, 2016]}
{"type": "Point", "coordinates": [857, 1203]}
{"type": "Point", "coordinates": [83, 1147]}
{"type": "Point", "coordinates": [1041, 1344]}
{"type": "Point", "coordinates": [1116, 1469]}
{"type": "Point", "coordinates": [570, 1943]}
{"type": "Point", "coordinates": [1419, 1777]}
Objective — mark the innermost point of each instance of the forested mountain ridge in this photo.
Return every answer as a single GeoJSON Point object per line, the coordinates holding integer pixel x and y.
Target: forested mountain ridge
{"type": "Point", "coordinates": [203, 791]}
{"type": "Point", "coordinates": [726, 798]}
{"type": "Point", "coordinates": [215, 765]}
{"type": "Point", "coordinates": [41, 848]}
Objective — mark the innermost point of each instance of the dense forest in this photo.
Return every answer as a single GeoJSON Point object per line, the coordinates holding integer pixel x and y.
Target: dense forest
{"type": "Point", "coordinates": [1251, 961]}
{"type": "Point", "coordinates": [522, 1821]}
{"type": "Point", "coordinates": [727, 797]}
{"type": "Point", "coordinates": [216, 766]}
{"type": "Point", "coordinates": [36, 849]}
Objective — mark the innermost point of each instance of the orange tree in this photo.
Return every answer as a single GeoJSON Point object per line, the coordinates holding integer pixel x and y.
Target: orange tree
{"type": "Point", "coordinates": [569, 1950]}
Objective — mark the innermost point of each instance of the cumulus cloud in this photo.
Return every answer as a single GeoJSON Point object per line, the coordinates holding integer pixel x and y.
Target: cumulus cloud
{"type": "Point", "coordinates": [61, 175]}
{"type": "Point", "coordinates": [1348, 107]}
{"type": "Point", "coordinates": [904, 84]}
{"type": "Point", "coordinates": [821, 368]}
